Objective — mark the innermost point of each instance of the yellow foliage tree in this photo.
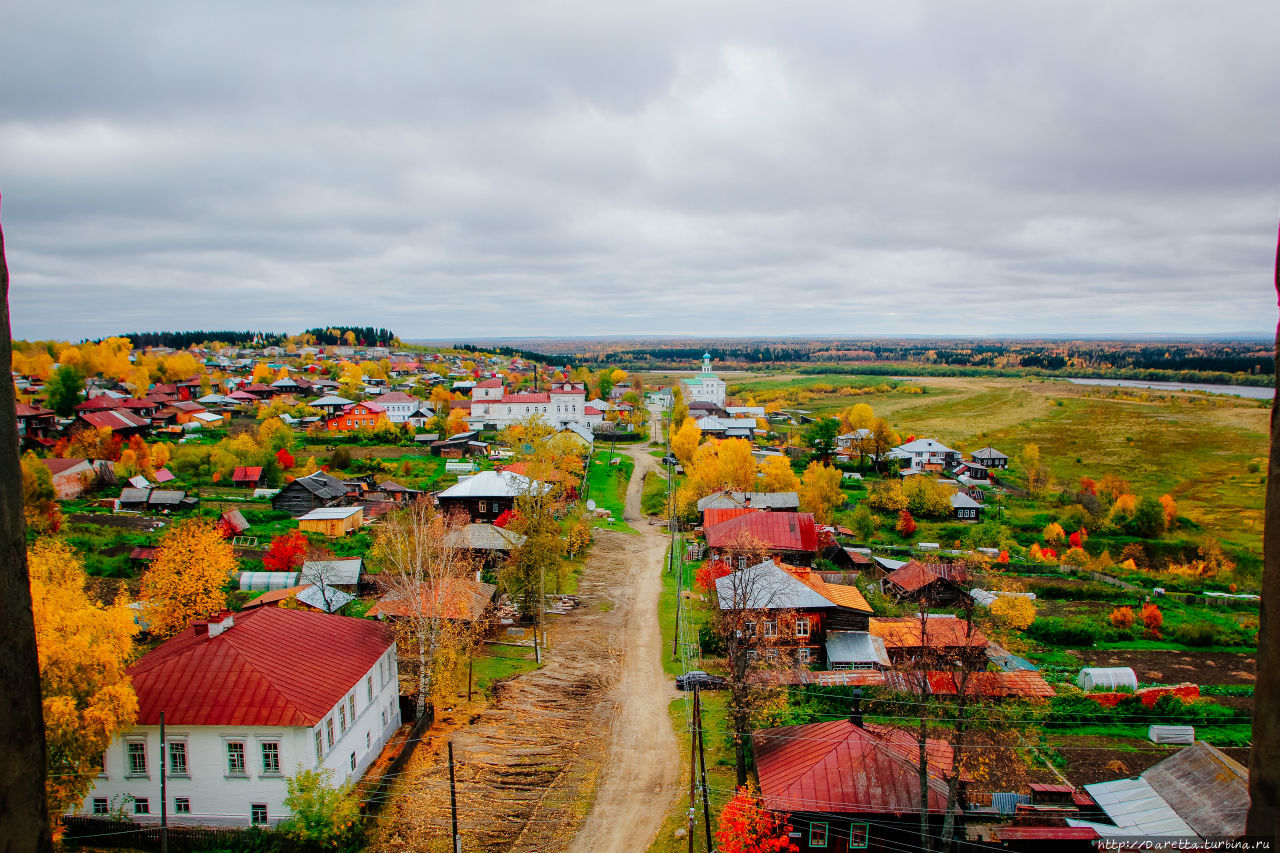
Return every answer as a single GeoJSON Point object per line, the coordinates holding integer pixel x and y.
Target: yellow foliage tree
{"type": "Point", "coordinates": [820, 492]}
{"type": "Point", "coordinates": [856, 417]}
{"type": "Point", "coordinates": [187, 578]}
{"type": "Point", "coordinates": [84, 648]}
{"type": "Point", "coordinates": [1053, 533]}
{"type": "Point", "coordinates": [776, 475]}
{"type": "Point", "coordinates": [685, 441]}
{"type": "Point", "coordinates": [262, 373]}
{"type": "Point", "coordinates": [887, 495]}
{"type": "Point", "coordinates": [618, 376]}
{"type": "Point", "coordinates": [1013, 611]}
{"type": "Point", "coordinates": [1123, 508]}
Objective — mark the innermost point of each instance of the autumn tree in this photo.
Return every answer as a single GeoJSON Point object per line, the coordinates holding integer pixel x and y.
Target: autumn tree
{"type": "Point", "coordinates": [881, 441]}
{"type": "Point", "coordinates": [540, 556]}
{"type": "Point", "coordinates": [1170, 507]}
{"type": "Point", "coordinates": [1210, 562]}
{"type": "Point", "coordinates": [856, 417]}
{"type": "Point", "coordinates": [685, 441]}
{"type": "Point", "coordinates": [1014, 612]}
{"type": "Point", "coordinates": [1037, 475]}
{"type": "Point", "coordinates": [65, 389]}
{"type": "Point", "coordinates": [1122, 618]}
{"type": "Point", "coordinates": [927, 497]}
{"type": "Point", "coordinates": [887, 496]}
{"type": "Point", "coordinates": [39, 505]}
{"type": "Point", "coordinates": [286, 553]}
{"type": "Point", "coordinates": [717, 465]}
{"type": "Point", "coordinates": [1152, 620]}
{"type": "Point", "coordinates": [1053, 533]}
{"type": "Point", "coordinates": [423, 570]}
{"type": "Point", "coordinates": [84, 648]}
{"type": "Point", "coordinates": [777, 475]}
{"type": "Point", "coordinates": [188, 577]}
{"type": "Point", "coordinates": [745, 826]}
{"type": "Point", "coordinates": [820, 492]}
{"type": "Point", "coordinates": [906, 524]}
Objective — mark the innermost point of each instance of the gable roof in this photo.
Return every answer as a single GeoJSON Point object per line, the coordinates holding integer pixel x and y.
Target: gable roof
{"type": "Point", "coordinates": [782, 531]}
{"type": "Point", "coordinates": [343, 572]}
{"type": "Point", "coordinates": [753, 500]}
{"type": "Point", "coordinates": [1207, 789]}
{"type": "Point", "coordinates": [716, 515]}
{"type": "Point", "coordinates": [484, 537]}
{"type": "Point", "coordinates": [775, 586]}
{"type": "Point", "coordinates": [273, 667]}
{"type": "Point", "coordinates": [491, 484]}
{"type": "Point", "coordinates": [58, 466]}
{"type": "Point", "coordinates": [322, 485]}
{"type": "Point", "coordinates": [249, 473]}
{"type": "Point", "coordinates": [914, 576]}
{"type": "Point", "coordinates": [114, 419]}
{"type": "Point", "coordinates": [988, 453]}
{"type": "Point", "coordinates": [839, 767]}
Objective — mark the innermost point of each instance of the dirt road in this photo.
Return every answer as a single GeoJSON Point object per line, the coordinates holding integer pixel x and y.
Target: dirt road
{"type": "Point", "coordinates": [642, 771]}
{"type": "Point", "coordinates": [592, 721]}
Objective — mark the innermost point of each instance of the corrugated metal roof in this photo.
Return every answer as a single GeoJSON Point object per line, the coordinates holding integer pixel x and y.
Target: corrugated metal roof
{"type": "Point", "coordinates": [782, 531]}
{"type": "Point", "coordinates": [838, 767]}
{"type": "Point", "coordinates": [484, 537]}
{"type": "Point", "coordinates": [943, 630]}
{"type": "Point", "coordinates": [493, 484]}
{"type": "Point", "coordinates": [1133, 805]}
{"type": "Point", "coordinates": [1208, 789]}
{"type": "Point", "coordinates": [774, 586]}
{"type": "Point", "coordinates": [340, 572]}
{"type": "Point", "coordinates": [1044, 833]}
{"type": "Point", "coordinates": [855, 647]}
{"type": "Point", "coordinates": [331, 513]}
{"type": "Point", "coordinates": [313, 596]}
{"type": "Point", "coordinates": [273, 667]}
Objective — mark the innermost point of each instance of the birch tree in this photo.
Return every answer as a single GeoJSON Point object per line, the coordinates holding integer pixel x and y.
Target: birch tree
{"type": "Point", "coordinates": [424, 577]}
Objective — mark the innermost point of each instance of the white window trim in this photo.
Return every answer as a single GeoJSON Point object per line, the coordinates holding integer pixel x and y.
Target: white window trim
{"type": "Point", "coordinates": [262, 741]}
{"type": "Point", "coordinates": [129, 772]}
{"type": "Point", "coordinates": [170, 740]}
{"type": "Point", "coordinates": [227, 741]}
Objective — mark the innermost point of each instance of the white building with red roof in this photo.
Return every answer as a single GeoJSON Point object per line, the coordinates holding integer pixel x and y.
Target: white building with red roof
{"type": "Point", "coordinates": [562, 404]}
{"type": "Point", "coordinates": [249, 699]}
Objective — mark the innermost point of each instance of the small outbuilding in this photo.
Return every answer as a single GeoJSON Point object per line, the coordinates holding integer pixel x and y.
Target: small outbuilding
{"type": "Point", "coordinates": [333, 521]}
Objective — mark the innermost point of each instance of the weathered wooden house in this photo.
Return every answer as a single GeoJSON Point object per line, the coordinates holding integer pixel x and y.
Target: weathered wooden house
{"type": "Point", "coordinates": [314, 491]}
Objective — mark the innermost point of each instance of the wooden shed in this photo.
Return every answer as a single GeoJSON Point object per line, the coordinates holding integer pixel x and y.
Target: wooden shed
{"type": "Point", "coordinates": [332, 521]}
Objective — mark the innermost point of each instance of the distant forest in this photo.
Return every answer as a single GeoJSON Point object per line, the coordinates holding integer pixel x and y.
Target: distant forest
{"type": "Point", "coordinates": [182, 340]}
{"type": "Point", "coordinates": [514, 352]}
{"type": "Point", "coordinates": [365, 336]}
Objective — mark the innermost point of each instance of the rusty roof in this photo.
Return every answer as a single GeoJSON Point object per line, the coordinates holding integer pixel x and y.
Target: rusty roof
{"type": "Point", "coordinates": [913, 576]}
{"type": "Point", "coordinates": [1044, 833]}
{"type": "Point", "coordinates": [273, 667]}
{"type": "Point", "coordinates": [943, 630]}
{"type": "Point", "coordinates": [780, 531]}
{"type": "Point", "coordinates": [838, 767]}
{"type": "Point", "coordinates": [1205, 787]}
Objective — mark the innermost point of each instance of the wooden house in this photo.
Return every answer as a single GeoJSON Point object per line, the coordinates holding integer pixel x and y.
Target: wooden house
{"type": "Point", "coordinates": [311, 492]}
{"type": "Point", "coordinates": [934, 583]}
{"type": "Point", "coordinates": [121, 422]}
{"type": "Point", "coordinates": [489, 494]}
{"type": "Point", "coordinates": [789, 536]}
{"type": "Point", "coordinates": [938, 641]}
{"type": "Point", "coordinates": [773, 593]}
{"type": "Point", "coordinates": [357, 416]}
{"type": "Point", "coordinates": [849, 786]}
{"type": "Point", "coordinates": [72, 477]}
{"type": "Point", "coordinates": [247, 477]}
{"type": "Point", "coordinates": [35, 422]}
{"type": "Point", "coordinates": [989, 457]}
{"type": "Point", "coordinates": [332, 521]}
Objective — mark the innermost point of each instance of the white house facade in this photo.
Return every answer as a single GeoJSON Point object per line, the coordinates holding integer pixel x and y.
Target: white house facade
{"type": "Point", "coordinates": [491, 407]}
{"type": "Point", "coordinates": [250, 699]}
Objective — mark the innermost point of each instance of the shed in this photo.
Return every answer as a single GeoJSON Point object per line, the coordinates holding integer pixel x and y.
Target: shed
{"type": "Point", "coordinates": [332, 521]}
{"type": "Point", "coordinates": [1171, 734]}
{"type": "Point", "coordinates": [1107, 678]}
{"type": "Point", "coordinates": [267, 581]}
{"type": "Point", "coordinates": [337, 572]}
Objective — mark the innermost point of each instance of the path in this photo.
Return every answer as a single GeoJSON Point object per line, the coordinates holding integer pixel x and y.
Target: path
{"type": "Point", "coordinates": [592, 720]}
{"type": "Point", "coordinates": [642, 770]}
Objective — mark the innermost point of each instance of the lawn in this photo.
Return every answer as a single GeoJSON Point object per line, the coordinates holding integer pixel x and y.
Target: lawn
{"type": "Point", "coordinates": [496, 662]}
{"type": "Point", "coordinates": [607, 486]}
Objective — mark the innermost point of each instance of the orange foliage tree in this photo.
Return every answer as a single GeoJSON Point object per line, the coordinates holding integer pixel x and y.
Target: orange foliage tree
{"type": "Point", "coordinates": [906, 524]}
{"type": "Point", "coordinates": [1122, 618]}
{"type": "Point", "coordinates": [746, 827]}
{"type": "Point", "coordinates": [188, 577]}
{"type": "Point", "coordinates": [1152, 619]}
{"type": "Point", "coordinates": [1170, 509]}
{"type": "Point", "coordinates": [1078, 538]}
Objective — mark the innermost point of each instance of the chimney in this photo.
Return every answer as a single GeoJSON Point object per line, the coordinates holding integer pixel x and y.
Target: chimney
{"type": "Point", "coordinates": [200, 626]}
{"type": "Point", "coordinates": [855, 710]}
{"type": "Point", "coordinates": [220, 623]}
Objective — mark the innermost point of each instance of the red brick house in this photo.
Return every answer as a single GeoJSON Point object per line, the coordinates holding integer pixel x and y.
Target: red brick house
{"type": "Point", "coordinates": [357, 416]}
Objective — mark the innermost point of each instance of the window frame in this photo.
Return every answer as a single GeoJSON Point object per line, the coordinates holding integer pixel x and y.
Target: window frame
{"type": "Point", "coordinates": [181, 742]}
{"type": "Point", "coordinates": [130, 769]}
{"type": "Point", "coordinates": [769, 628]}
{"type": "Point", "coordinates": [865, 829]}
{"type": "Point", "coordinates": [100, 805]}
{"type": "Point", "coordinates": [182, 805]}
{"type": "Point", "coordinates": [319, 745]}
{"type": "Point", "coordinates": [328, 730]}
{"type": "Point", "coordinates": [270, 746]}
{"type": "Point", "coordinates": [814, 829]}
{"type": "Point", "coordinates": [342, 717]}
{"type": "Point", "coordinates": [230, 769]}
{"type": "Point", "coordinates": [258, 814]}
{"type": "Point", "coordinates": [142, 805]}
{"type": "Point", "coordinates": [803, 622]}
{"type": "Point", "coordinates": [351, 707]}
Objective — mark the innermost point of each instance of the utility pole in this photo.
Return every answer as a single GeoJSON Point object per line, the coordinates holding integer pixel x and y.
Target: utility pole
{"type": "Point", "coordinates": [693, 770]}
{"type": "Point", "coordinates": [453, 803]}
{"type": "Point", "coordinates": [164, 793]}
{"type": "Point", "coordinates": [702, 762]}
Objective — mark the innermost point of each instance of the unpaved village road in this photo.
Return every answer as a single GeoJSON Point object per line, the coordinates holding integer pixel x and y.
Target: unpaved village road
{"type": "Point", "coordinates": [593, 719]}
{"type": "Point", "coordinates": [642, 770]}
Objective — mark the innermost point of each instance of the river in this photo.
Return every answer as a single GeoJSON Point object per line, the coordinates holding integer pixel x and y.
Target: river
{"type": "Point", "coordinates": [1253, 392]}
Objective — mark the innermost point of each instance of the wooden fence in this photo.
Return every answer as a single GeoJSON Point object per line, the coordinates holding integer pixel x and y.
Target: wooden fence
{"type": "Point", "coordinates": [104, 832]}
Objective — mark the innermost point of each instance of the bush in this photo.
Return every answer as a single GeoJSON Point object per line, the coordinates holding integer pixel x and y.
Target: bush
{"type": "Point", "coordinates": [710, 641]}
{"type": "Point", "coordinates": [1064, 632]}
{"type": "Point", "coordinates": [1196, 634]}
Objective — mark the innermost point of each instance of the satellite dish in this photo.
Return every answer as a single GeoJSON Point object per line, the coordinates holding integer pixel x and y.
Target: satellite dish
{"type": "Point", "coordinates": [591, 504]}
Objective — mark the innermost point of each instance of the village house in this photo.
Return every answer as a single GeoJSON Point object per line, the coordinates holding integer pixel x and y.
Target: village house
{"type": "Point", "coordinates": [357, 416]}
{"type": "Point", "coordinates": [938, 641]}
{"type": "Point", "coordinates": [313, 491]}
{"type": "Point", "coordinates": [248, 699]}
{"type": "Point", "coordinates": [489, 545]}
{"type": "Point", "coordinates": [36, 424]}
{"type": "Point", "coordinates": [811, 609]}
{"type": "Point", "coordinates": [332, 521]}
{"type": "Point", "coordinates": [934, 583]}
{"type": "Point", "coordinates": [401, 407]}
{"type": "Point", "coordinates": [492, 408]}
{"type": "Point", "coordinates": [989, 457]}
{"type": "Point", "coordinates": [485, 496]}
{"type": "Point", "coordinates": [965, 507]}
{"type": "Point", "coordinates": [247, 477]}
{"type": "Point", "coordinates": [849, 786]}
{"type": "Point", "coordinates": [789, 536]}
{"type": "Point", "coordinates": [121, 422]}
{"type": "Point", "coordinates": [925, 454]}
{"type": "Point", "coordinates": [767, 501]}
{"type": "Point", "coordinates": [73, 477]}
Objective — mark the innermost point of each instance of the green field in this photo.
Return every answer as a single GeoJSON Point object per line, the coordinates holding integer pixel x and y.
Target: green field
{"type": "Point", "coordinates": [607, 486]}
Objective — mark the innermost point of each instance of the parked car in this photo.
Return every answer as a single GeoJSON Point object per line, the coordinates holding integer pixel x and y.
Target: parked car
{"type": "Point", "coordinates": [700, 679]}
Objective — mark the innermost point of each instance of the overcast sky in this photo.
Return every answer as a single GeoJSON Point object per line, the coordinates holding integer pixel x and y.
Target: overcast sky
{"type": "Point", "coordinates": [583, 167]}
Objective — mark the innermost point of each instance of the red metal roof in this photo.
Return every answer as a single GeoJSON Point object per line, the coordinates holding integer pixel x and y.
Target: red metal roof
{"type": "Point", "coordinates": [1021, 683]}
{"type": "Point", "coordinates": [527, 397]}
{"type": "Point", "coordinates": [780, 531]}
{"type": "Point", "coordinates": [247, 474]}
{"type": "Point", "coordinates": [98, 403]}
{"type": "Point", "coordinates": [913, 576]}
{"type": "Point", "coordinates": [838, 767]}
{"type": "Point", "coordinates": [943, 631]}
{"type": "Point", "coordinates": [114, 419]}
{"type": "Point", "coordinates": [716, 515]}
{"type": "Point", "coordinates": [273, 667]}
{"type": "Point", "coordinates": [25, 411]}
{"type": "Point", "coordinates": [57, 466]}
{"type": "Point", "coordinates": [489, 383]}
{"type": "Point", "coordinates": [1041, 787]}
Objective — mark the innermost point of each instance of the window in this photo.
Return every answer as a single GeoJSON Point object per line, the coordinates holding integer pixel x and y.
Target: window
{"type": "Point", "coordinates": [353, 761]}
{"type": "Point", "coordinates": [141, 805]}
{"type": "Point", "coordinates": [368, 740]}
{"type": "Point", "coordinates": [351, 706]}
{"type": "Point", "coordinates": [804, 655]}
{"type": "Point", "coordinates": [752, 654]}
{"type": "Point", "coordinates": [328, 729]}
{"type": "Point", "coordinates": [384, 719]}
{"type": "Point", "coordinates": [137, 751]}
{"type": "Point", "coordinates": [742, 563]}
{"type": "Point", "coordinates": [319, 746]}
{"type": "Point", "coordinates": [858, 835]}
{"type": "Point", "coordinates": [771, 628]}
{"type": "Point", "coordinates": [368, 686]}
{"type": "Point", "coordinates": [235, 758]}
{"type": "Point", "coordinates": [817, 835]}
{"type": "Point", "coordinates": [483, 507]}
{"type": "Point", "coordinates": [102, 763]}
{"type": "Point", "coordinates": [258, 813]}
{"type": "Point", "coordinates": [802, 626]}
{"type": "Point", "coordinates": [270, 758]}
{"type": "Point", "coordinates": [182, 805]}
{"type": "Point", "coordinates": [99, 805]}
{"type": "Point", "coordinates": [177, 758]}
{"type": "Point", "coordinates": [342, 718]}
{"type": "Point", "coordinates": [751, 629]}
{"type": "Point", "coordinates": [772, 654]}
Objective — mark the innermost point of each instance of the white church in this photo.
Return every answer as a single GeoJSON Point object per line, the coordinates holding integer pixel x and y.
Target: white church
{"type": "Point", "coordinates": [706, 386]}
